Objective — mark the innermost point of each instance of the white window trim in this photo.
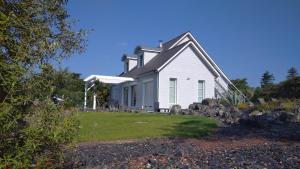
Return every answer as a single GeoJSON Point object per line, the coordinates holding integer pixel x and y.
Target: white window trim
{"type": "Point", "coordinates": [203, 90]}
{"type": "Point", "coordinates": [175, 91]}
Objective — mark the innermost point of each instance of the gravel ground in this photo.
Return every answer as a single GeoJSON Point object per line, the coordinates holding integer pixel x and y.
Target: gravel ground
{"type": "Point", "coordinates": [233, 147]}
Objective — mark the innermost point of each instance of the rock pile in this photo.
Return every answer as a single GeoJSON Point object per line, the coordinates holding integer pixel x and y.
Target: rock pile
{"type": "Point", "coordinates": [229, 114]}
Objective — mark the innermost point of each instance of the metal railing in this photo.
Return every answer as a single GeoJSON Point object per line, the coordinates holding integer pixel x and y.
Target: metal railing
{"type": "Point", "coordinates": [232, 95]}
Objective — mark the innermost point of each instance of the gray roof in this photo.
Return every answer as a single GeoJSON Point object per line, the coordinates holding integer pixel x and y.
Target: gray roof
{"type": "Point", "coordinates": [156, 62]}
{"type": "Point", "coordinates": [129, 56]}
{"type": "Point", "coordinates": [171, 42]}
{"type": "Point", "coordinates": [138, 48]}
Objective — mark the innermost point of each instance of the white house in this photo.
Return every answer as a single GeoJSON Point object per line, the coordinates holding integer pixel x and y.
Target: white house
{"type": "Point", "coordinates": [177, 72]}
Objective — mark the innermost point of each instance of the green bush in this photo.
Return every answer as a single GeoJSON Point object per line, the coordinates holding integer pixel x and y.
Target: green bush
{"type": "Point", "coordinates": [288, 105]}
{"type": "Point", "coordinates": [38, 142]}
{"type": "Point", "coordinates": [268, 106]}
{"type": "Point", "coordinates": [242, 106]}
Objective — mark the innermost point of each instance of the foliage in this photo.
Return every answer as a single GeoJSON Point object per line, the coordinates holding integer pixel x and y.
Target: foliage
{"type": "Point", "coordinates": [102, 92]}
{"type": "Point", "coordinates": [243, 86]}
{"type": "Point", "coordinates": [292, 73]}
{"type": "Point", "coordinates": [120, 126]}
{"type": "Point", "coordinates": [69, 86]}
{"type": "Point", "coordinates": [33, 34]}
{"type": "Point", "coordinates": [268, 106]}
{"type": "Point", "coordinates": [288, 105]}
{"type": "Point", "coordinates": [288, 89]}
{"type": "Point", "coordinates": [267, 79]}
{"type": "Point", "coordinates": [242, 106]}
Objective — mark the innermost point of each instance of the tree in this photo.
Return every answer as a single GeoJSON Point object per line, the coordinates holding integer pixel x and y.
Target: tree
{"type": "Point", "coordinates": [267, 79]}
{"type": "Point", "coordinates": [292, 73]}
{"type": "Point", "coordinates": [33, 34]}
{"type": "Point", "coordinates": [102, 92]}
{"type": "Point", "coordinates": [243, 86]}
{"type": "Point", "coordinates": [289, 88]}
{"type": "Point", "coordinates": [68, 86]}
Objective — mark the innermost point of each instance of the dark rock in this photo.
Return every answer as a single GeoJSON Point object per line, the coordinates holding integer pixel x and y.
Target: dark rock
{"type": "Point", "coordinates": [186, 112]}
{"type": "Point", "coordinates": [195, 106]}
{"type": "Point", "coordinates": [210, 102]}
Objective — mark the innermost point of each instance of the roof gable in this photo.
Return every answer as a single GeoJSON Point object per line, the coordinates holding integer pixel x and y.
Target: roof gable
{"type": "Point", "coordinates": [167, 45]}
{"type": "Point", "coordinates": [170, 48]}
{"type": "Point", "coordinates": [155, 63]}
{"type": "Point", "coordinates": [197, 52]}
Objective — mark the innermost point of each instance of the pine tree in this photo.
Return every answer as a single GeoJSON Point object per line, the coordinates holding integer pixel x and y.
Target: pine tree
{"type": "Point", "coordinates": [292, 73]}
{"type": "Point", "coordinates": [267, 79]}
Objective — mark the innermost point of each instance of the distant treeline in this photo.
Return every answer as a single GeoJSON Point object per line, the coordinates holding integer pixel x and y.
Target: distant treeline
{"type": "Point", "coordinates": [286, 89]}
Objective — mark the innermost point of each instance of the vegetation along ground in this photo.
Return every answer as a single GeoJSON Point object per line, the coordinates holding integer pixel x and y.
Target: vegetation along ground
{"type": "Point", "coordinates": [109, 126]}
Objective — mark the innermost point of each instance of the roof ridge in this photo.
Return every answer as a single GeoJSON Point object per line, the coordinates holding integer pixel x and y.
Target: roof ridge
{"type": "Point", "coordinates": [169, 43]}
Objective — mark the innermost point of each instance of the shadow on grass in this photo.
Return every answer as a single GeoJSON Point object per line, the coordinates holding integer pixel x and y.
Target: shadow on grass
{"type": "Point", "coordinates": [192, 128]}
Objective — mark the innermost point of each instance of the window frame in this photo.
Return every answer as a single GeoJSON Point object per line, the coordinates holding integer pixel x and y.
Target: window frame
{"type": "Point", "coordinates": [133, 95]}
{"type": "Point", "coordinates": [125, 99]}
{"type": "Point", "coordinates": [141, 60]}
{"type": "Point", "coordinates": [175, 91]}
{"type": "Point", "coordinates": [203, 90]}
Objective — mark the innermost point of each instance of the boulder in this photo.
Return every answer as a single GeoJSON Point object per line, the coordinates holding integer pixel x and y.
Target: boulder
{"type": "Point", "coordinates": [255, 113]}
{"type": "Point", "coordinates": [220, 112]}
{"type": "Point", "coordinates": [186, 112]}
{"type": "Point", "coordinates": [289, 117]}
{"type": "Point", "coordinates": [250, 104]}
{"type": "Point", "coordinates": [195, 106]}
{"type": "Point", "coordinates": [210, 102]}
{"type": "Point", "coordinates": [261, 100]}
{"type": "Point", "coordinates": [175, 109]}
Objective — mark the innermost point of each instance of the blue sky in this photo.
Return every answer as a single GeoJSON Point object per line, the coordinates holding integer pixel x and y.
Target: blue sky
{"type": "Point", "coordinates": [244, 37]}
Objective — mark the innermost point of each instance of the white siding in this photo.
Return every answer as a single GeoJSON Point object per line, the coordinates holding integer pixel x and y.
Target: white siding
{"type": "Point", "coordinates": [188, 68]}
{"type": "Point", "coordinates": [148, 56]}
{"type": "Point", "coordinates": [132, 63]}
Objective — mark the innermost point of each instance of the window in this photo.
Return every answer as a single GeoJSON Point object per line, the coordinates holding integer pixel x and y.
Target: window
{"type": "Point", "coordinates": [125, 96]}
{"type": "Point", "coordinates": [141, 60]}
{"type": "Point", "coordinates": [133, 95]}
{"type": "Point", "coordinates": [201, 90]}
{"type": "Point", "coordinates": [126, 66]}
{"type": "Point", "coordinates": [172, 91]}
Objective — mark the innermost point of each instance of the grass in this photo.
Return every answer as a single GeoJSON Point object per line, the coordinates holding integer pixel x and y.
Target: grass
{"type": "Point", "coordinates": [121, 126]}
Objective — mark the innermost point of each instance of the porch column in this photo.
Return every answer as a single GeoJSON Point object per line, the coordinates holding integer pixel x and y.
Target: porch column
{"type": "Point", "coordinates": [94, 98]}
{"type": "Point", "coordinates": [85, 96]}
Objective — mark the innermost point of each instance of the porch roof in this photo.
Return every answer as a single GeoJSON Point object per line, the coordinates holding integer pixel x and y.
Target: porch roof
{"type": "Point", "coordinates": [108, 79]}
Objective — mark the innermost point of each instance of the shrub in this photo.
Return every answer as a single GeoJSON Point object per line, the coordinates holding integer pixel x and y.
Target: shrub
{"type": "Point", "coordinates": [288, 105]}
{"type": "Point", "coordinates": [242, 106]}
{"type": "Point", "coordinates": [46, 129]}
{"type": "Point", "coordinates": [268, 106]}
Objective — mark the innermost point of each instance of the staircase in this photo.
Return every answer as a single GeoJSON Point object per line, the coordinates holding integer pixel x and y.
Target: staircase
{"type": "Point", "coordinates": [231, 95]}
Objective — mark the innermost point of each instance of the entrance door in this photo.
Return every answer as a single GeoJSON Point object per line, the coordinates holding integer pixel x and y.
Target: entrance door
{"type": "Point", "coordinates": [148, 96]}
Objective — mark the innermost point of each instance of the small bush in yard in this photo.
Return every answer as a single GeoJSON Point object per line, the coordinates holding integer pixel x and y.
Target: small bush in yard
{"type": "Point", "coordinates": [39, 139]}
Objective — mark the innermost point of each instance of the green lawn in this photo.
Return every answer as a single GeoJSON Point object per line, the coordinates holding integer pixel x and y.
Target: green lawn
{"type": "Point", "coordinates": [96, 126]}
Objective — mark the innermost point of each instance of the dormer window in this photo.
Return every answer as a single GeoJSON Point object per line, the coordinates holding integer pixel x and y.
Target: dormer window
{"type": "Point", "coordinates": [141, 60]}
